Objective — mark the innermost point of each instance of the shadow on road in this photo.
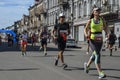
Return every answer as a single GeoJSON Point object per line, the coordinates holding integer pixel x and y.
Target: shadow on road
{"type": "Point", "coordinates": [49, 55]}
{"type": "Point", "coordinates": [24, 69]}
{"type": "Point", "coordinates": [69, 68]}
{"type": "Point", "coordinates": [110, 56]}
{"type": "Point", "coordinates": [115, 77]}
{"type": "Point", "coordinates": [4, 47]}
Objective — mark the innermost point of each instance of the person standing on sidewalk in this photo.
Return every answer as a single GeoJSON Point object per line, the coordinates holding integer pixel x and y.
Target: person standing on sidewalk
{"type": "Point", "coordinates": [43, 37]}
{"type": "Point", "coordinates": [62, 30]}
{"type": "Point", "coordinates": [96, 24]}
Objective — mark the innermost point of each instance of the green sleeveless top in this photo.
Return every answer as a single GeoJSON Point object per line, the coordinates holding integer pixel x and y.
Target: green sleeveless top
{"type": "Point", "coordinates": [95, 27]}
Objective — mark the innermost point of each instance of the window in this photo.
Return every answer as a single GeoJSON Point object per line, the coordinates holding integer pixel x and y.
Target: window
{"type": "Point", "coordinates": [49, 19]}
{"type": "Point", "coordinates": [69, 11]}
{"type": "Point", "coordinates": [117, 29]}
{"type": "Point", "coordinates": [50, 4]}
{"type": "Point", "coordinates": [75, 10]}
{"type": "Point", "coordinates": [80, 10]}
{"type": "Point", "coordinates": [85, 9]}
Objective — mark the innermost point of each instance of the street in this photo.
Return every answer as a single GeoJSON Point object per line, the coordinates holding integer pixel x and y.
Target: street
{"type": "Point", "coordinates": [36, 66]}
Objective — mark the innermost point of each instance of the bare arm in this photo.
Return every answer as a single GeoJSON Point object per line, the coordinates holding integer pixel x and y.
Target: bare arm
{"type": "Point", "coordinates": [105, 27]}
{"type": "Point", "coordinates": [53, 32]}
{"type": "Point", "coordinates": [86, 29]}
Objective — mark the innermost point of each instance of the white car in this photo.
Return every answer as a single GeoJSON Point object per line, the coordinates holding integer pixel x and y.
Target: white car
{"type": "Point", "coordinates": [71, 43]}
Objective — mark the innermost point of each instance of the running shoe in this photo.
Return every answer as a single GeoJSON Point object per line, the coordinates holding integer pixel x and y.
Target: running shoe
{"type": "Point", "coordinates": [25, 53]}
{"type": "Point", "coordinates": [22, 53]}
{"type": "Point", "coordinates": [45, 54]}
{"type": "Point", "coordinates": [101, 75]}
{"type": "Point", "coordinates": [64, 66]}
{"type": "Point", "coordinates": [87, 52]}
{"type": "Point", "coordinates": [40, 49]}
{"type": "Point", "coordinates": [56, 61]}
{"type": "Point", "coordinates": [110, 54]}
{"type": "Point", "coordinates": [86, 68]}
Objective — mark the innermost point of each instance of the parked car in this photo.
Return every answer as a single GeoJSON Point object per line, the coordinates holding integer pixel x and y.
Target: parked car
{"type": "Point", "coordinates": [71, 43]}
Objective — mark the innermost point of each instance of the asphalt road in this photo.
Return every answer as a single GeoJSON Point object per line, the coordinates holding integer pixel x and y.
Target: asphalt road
{"type": "Point", "coordinates": [35, 66]}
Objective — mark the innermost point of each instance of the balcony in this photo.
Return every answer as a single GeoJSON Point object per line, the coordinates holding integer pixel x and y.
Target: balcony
{"type": "Point", "coordinates": [64, 4]}
{"type": "Point", "coordinates": [110, 12]}
{"type": "Point", "coordinates": [61, 2]}
{"type": "Point", "coordinates": [110, 8]}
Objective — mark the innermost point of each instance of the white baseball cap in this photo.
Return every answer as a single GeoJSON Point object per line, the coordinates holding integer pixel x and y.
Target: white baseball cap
{"type": "Point", "coordinates": [61, 15]}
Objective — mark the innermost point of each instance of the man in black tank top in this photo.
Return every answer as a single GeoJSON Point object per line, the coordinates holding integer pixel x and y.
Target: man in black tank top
{"type": "Point", "coordinates": [62, 30]}
{"type": "Point", "coordinates": [43, 37]}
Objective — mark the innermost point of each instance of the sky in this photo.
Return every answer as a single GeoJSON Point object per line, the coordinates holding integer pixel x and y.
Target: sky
{"type": "Point", "coordinates": [13, 10]}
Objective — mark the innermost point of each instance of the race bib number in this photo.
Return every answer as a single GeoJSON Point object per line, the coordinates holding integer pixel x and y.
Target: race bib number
{"type": "Point", "coordinates": [45, 36]}
{"type": "Point", "coordinates": [98, 37]}
{"type": "Point", "coordinates": [63, 34]}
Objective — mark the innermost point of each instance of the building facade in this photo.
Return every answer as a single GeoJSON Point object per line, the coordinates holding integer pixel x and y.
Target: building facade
{"type": "Point", "coordinates": [22, 24]}
{"type": "Point", "coordinates": [83, 9]}
{"type": "Point", "coordinates": [77, 12]}
{"type": "Point", "coordinates": [37, 17]}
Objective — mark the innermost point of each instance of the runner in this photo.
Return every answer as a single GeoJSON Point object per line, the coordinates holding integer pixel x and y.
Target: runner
{"type": "Point", "coordinates": [24, 42]}
{"type": "Point", "coordinates": [43, 37]}
{"type": "Point", "coordinates": [97, 24]}
{"type": "Point", "coordinates": [62, 30]}
{"type": "Point", "coordinates": [111, 41]}
{"type": "Point", "coordinates": [34, 39]}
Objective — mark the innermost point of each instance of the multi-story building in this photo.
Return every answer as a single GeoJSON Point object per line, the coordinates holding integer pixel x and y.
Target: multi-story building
{"type": "Point", "coordinates": [45, 12]}
{"type": "Point", "coordinates": [37, 16]}
{"type": "Point", "coordinates": [54, 8]}
{"type": "Point", "coordinates": [83, 9]}
{"type": "Point", "coordinates": [78, 12]}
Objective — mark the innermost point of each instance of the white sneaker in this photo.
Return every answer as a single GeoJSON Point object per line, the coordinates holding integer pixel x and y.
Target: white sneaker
{"type": "Point", "coordinates": [86, 69]}
{"type": "Point", "coordinates": [101, 75]}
